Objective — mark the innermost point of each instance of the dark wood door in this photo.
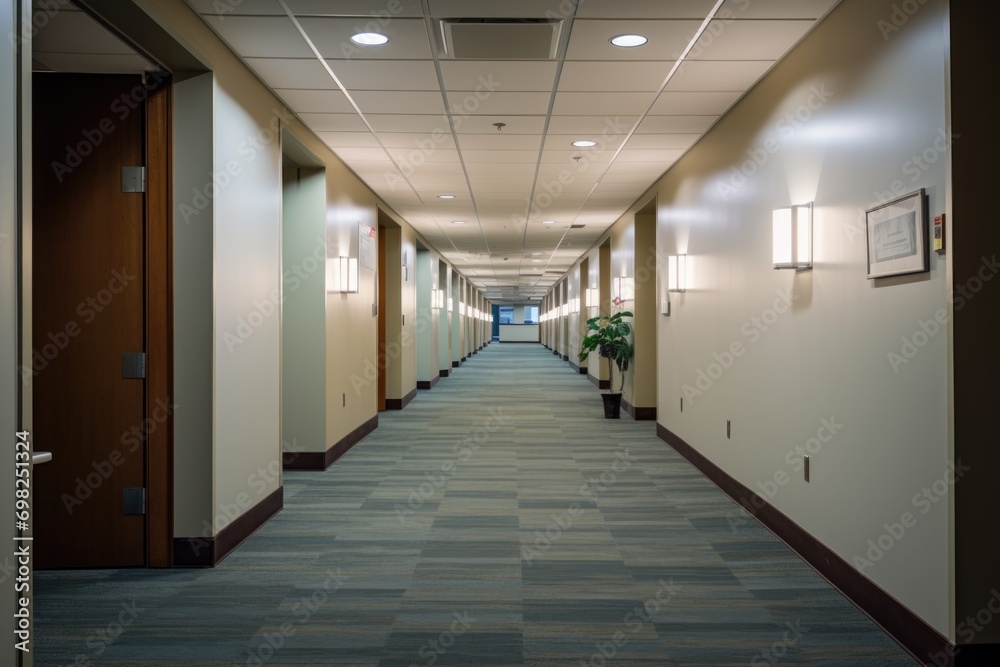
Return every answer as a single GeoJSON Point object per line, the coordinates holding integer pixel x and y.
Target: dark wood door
{"type": "Point", "coordinates": [87, 311]}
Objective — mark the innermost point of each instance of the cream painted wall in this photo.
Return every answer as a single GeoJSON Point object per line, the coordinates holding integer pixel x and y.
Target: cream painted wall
{"type": "Point", "coordinates": [193, 254]}
{"type": "Point", "coordinates": [647, 314]}
{"type": "Point", "coordinates": [409, 312]}
{"type": "Point", "coordinates": [457, 335]}
{"type": "Point", "coordinates": [622, 267]}
{"type": "Point", "coordinates": [444, 320]}
{"type": "Point", "coordinates": [836, 126]}
{"type": "Point", "coordinates": [426, 325]}
{"type": "Point", "coordinates": [574, 319]}
{"type": "Point", "coordinates": [303, 317]}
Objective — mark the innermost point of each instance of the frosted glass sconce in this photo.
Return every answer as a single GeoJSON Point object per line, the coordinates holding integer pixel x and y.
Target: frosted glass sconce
{"type": "Point", "coordinates": [792, 239]}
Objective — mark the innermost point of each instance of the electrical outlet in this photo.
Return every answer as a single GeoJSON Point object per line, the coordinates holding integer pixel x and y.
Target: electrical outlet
{"type": "Point", "coordinates": [729, 429]}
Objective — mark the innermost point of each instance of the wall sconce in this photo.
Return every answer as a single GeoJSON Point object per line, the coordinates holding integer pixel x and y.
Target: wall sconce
{"type": "Point", "coordinates": [792, 237]}
{"type": "Point", "coordinates": [593, 297]}
{"type": "Point", "coordinates": [437, 299]}
{"type": "Point", "coordinates": [574, 305]}
{"type": "Point", "coordinates": [348, 275]}
{"type": "Point", "coordinates": [616, 290]}
{"type": "Point", "coordinates": [677, 273]}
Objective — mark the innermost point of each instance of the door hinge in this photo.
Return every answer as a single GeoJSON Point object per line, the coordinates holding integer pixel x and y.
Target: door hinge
{"type": "Point", "coordinates": [133, 179]}
{"type": "Point", "coordinates": [133, 365]}
{"type": "Point", "coordinates": [133, 502]}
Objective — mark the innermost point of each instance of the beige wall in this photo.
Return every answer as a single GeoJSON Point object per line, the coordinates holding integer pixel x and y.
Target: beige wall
{"type": "Point", "coordinates": [839, 127]}
{"type": "Point", "coordinates": [645, 309]}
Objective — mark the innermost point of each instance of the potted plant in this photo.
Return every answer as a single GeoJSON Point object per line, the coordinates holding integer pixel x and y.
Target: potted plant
{"type": "Point", "coordinates": [609, 336]}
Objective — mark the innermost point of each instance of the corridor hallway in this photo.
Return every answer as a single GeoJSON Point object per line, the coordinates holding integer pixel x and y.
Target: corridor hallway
{"type": "Point", "coordinates": [498, 520]}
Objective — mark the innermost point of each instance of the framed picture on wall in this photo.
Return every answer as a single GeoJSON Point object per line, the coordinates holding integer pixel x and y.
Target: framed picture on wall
{"type": "Point", "coordinates": [897, 236]}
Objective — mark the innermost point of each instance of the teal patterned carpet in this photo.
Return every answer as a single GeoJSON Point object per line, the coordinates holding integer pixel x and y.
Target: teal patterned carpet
{"type": "Point", "coordinates": [497, 521]}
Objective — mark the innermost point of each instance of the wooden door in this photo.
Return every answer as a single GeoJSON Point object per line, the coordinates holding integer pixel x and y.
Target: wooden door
{"type": "Point", "coordinates": [88, 310]}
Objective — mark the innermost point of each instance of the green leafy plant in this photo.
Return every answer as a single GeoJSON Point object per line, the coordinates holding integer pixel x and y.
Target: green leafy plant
{"type": "Point", "coordinates": [609, 337]}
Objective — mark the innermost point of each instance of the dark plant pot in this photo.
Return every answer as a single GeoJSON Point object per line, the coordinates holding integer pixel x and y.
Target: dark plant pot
{"type": "Point", "coordinates": [612, 405]}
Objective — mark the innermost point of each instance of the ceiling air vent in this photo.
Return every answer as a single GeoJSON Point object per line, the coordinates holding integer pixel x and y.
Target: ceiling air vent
{"type": "Point", "coordinates": [500, 39]}
{"type": "Point", "coordinates": [577, 226]}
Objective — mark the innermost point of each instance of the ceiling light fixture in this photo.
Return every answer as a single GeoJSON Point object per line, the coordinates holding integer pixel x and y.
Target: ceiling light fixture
{"type": "Point", "coordinates": [584, 143]}
{"type": "Point", "coordinates": [446, 196]}
{"type": "Point", "coordinates": [548, 222]}
{"type": "Point", "coordinates": [628, 41]}
{"type": "Point", "coordinates": [369, 39]}
{"type": "Point", "coordinates": [458, 222]}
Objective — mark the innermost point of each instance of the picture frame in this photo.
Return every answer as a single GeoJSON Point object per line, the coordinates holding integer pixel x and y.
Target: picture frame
{"type": "Point", "coordinates": [897, 236]}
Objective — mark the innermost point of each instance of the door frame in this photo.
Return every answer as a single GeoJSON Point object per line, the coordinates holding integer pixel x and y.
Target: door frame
{"type": "Point", "coordinates": [159, 329]}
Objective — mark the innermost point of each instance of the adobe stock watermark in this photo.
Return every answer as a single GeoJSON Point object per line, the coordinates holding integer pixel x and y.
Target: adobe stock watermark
{"type": "Point", "coordinates": [723, 18]}
{"type": "Point", "coordinates": [767, 490]}
{"type": "Point", "coordinates": [43, 11]}
{"type": "Point", "coordinates": [923, 501]}
{"type": "Point", "coordinates": [90, 138]}
{"type": "Point", "coordinates": [131, 441]}
{"type": "Point", "coordinates": [590, 490]}
{"type": "Point", "coordinates": [463, 450]}
{"type": "Point", "coordinates": [264, 309]}
{"type": "Point", "coordinates": [99, 641]}
{"type": "Point", "coordinates": [433, 649]}
{"type": "Point", "coordinates": [392, 352]}
{"type": "Point", "coordinates": [773, 654]}
{"type": "Point", "coordinates": [785, 129]}
{"type": "Point", "coordinates": [302, 610]}
{"type": "Point", "coordinates": [899, 16]}
{"type": "Point", "coordinates": [606, 652]}
{"type": "Point", "coordinates": [914, 167]}
{"type": "Point", "coordinates": [247, 150]}
{"type": "Point", "coordinates": [967, 630]}
{"type": "Point", "coordinates": [752, 330]}
{"type": "Point", "coordinates": [426, 147]}
{"type": "Point", "coordinates": [927, 329]}
{"type": "Point", "coordinates": [88, 311]}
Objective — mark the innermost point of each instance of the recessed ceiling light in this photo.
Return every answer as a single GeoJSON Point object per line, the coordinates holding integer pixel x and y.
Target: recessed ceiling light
{"type": "Point", "coordinates": [537, 261]}
{"type": "Point", "coordinates": [458, 222]}
{"type": "Point", "coordinates": [584, 143]}
{"type": "Point", "coordinates": [446, 196]}
{"type": "Point", "coordinates": [628, 41]}
{"type": "Point", "coordinates": [537, 254]}
{"type": "Point", "coordinates": [369, 39]}
{"type": "Point", "coordinates": [548, 222]}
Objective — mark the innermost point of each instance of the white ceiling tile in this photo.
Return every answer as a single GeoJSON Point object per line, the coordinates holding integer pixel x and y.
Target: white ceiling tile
{"type": "Point", "coordinates": [694, 103]}
{"type": "Point", "coordinates": [646, 9]}
{"type": "Point", "coordinates": [661, 141]}
{"type": "Point", "coordinates": [749, 40]}
{"type": "Point", "coordinates": [484, 125]}
{"type": "Point", "coordinates": [521, 9]}
{"type": "Point", "coordinates": [667, 39]}
{"type": "Point", "coordinates": [333, 122]}
{"type": "Point", "coordinates": [261, 36]}
{"type": "Point", "coordinates": [676, 124]}
{"type": "Point", "coordinates": [610, 126]}
{"type": "Point", "coordinates": [387, 102]}
{"type": "Point", "coordinates": [497, 104]}
{"type": "Point", "coordinates": [421, 141]}
{"type": "Point", "coordinates": [228, 9]}
{"type": "Point", "coordinates": [332, 36]}
{"type": "Point", "coordinates": [709, 75]}
{"type": "Point", "coordinates": [510, 157]}
{"type": "Point", "coordinates": [315, 101]}
{"type": "Point", "coordinates": [498, 75]}
{"type": "Point", "coordinates": [658, 155]}
{"type": "Point", "coordinates": [354, 155]}
{"type": "Point", "coordinates": [564, 142]}
{"type": "Point", "coordinates": [359, 74]}
{"type": "Point", "coordinates": [367, 16]}
{"type": "Point", "coordinates": [500, 141]}
{"type": "Point", "coordinates": [613, 76]}
{"type": "Point", "coordinates": [602, 104]}
{"type": "Point", "coordinates": [349, 139]}
{"type": "Point", "coordinates": [441, 155]}
{"type": "Point", "coordinates": [776, 9]}
{"type": "Point", "coordinates": [292, 73]}
{"type": "Point", "coordinates": [431, 125]}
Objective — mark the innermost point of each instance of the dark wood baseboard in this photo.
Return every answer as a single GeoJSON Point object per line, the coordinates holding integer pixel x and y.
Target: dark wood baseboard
{"type": "Point", "coordinates": [428, 384]}
{"type": "Point", "coordinates": [210, 551]}
{"type": "Point", "coordinates": [445, 372]}
{"type": "Point", "coordinates": [323, 460]}
{"type": "Point", "coordinates": [400, 403]}
{"type": "Point", "coordinates": [600, 384]}
{"type": "Point", "coordinates": [639, 414]}
{"type": "Point", "coordinates": [464, 359]}
{"type": "Point", "coordinates": [508, 342]}
{"type": "Point", "coordinates": [456, 364]}
{"type": "Point", "coordinates": [575, 367]}
{"type": "Point", "coordinates": [910, 631]}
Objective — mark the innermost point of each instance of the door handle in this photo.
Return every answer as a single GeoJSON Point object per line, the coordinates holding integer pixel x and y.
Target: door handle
{"type": "Point", "coordinates": [40, 457]}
